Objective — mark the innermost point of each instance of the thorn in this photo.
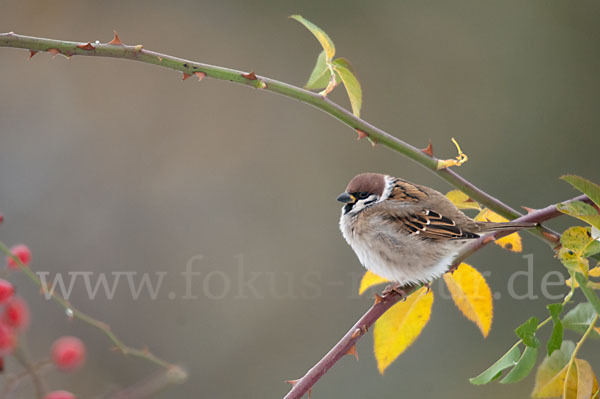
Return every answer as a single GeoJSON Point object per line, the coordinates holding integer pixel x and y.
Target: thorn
{"type": "Point", "coordinates": [529, 210]}
{"type": "Point", "coordinates": [378, 299]}
{"type": "Point", "coordinates": [293, 382]}
{"type": "Point", "coordinates": [361, 134]}
{"type": "Point", "coordinates": [159, 58]}
{"type": "Point", "coordinates": [249, 76]}
{"type": "Point", "coordinates": [115, 349]}
{"type": "Point", "coordinates": [32, 53]}
{"type": "Point", "coordinates": [116, 41]}
{"type": "Point", "coordinates": [489, 239]}
{"type": "Point", "coordinates": [551, 237]}
{"type": "Point", "coordinates": [201, 75]}
{"type": "Point", "coordinates": [185, 76]}
{"type": "Point", "coordinates": [138, 48]}
{"type": "Point", "coordinates": [372, 141]}
{"type": "Point", "coordinates": [428, 150]}
{"type": "Point", "coordinates": [53, 51]}
{"type": "Point", "coordinates": [262, 84]}
{"type": "Point", "coordinates": [87, 46]}
{"type": "Point", "coordinates": [352, 351]}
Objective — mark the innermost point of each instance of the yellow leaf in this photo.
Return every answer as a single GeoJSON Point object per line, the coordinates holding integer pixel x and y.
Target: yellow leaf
{"type": "Point", "coordinates": [462, 200]}
{"type": "Point", "coordinates": [400, 326]}
{"type": "Point", "coordinates": [595, 272]}
{"type": "Point", "coordinates": [587, 383]}
{"type": "Point", "coordinates": [369, 280]}
{"type": "Point", "coordinates": [553, 387]}
{"type": "Point", "coordinates": [321, 36]}
{"type": "Point", "coordinates": [472, 296]}
{"type": "Point", "coordinates": [512, 242]}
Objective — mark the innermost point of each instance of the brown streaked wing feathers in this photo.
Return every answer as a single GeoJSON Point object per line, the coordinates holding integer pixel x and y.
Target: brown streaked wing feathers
{"type": "Point", "coordinates": [432, 225]}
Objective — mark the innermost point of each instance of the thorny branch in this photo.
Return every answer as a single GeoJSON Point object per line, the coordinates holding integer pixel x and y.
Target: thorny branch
{"type": "Point", "coordinates": [382, 304]}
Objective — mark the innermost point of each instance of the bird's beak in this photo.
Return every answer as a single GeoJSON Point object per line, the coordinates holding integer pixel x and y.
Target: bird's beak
{"type": "Point", "coordinates": [346, 198]}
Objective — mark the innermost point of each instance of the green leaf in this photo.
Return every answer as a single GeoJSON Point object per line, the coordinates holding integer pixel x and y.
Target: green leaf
{"type": "Point", "coordinates": [581, 211]}
{"type": "Point", "coordinates": [547, 376]}
{"type": "Point", "coordinates": [526, 332]}
{"type": "Point", "coordinates": [321, 36]}
{"type": "Point", "coordinates": [591, 296]}
{"type": "Point", "coordinates": [579, 318]}
{"type": "Point", "coordinates": [592, 249]}
{"type": "Point", "coordinates": [321, 75]}
{"type": "Point", "coordinates": [556, 338]}
{"type": "Point", "coordinates": [576, 238]}
{"type": "Point", "coordinates": [509, 359]}
{"type": "Point", "coordinates": [343, 67]}
{"type": "Point", "coordinates": [592, 190]}
{"type": "Point", "coordinates": [523, 366]}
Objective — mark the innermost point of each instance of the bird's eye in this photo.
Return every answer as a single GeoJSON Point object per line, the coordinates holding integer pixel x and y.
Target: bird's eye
{"type": "Point", "coordinates": [363, 195]}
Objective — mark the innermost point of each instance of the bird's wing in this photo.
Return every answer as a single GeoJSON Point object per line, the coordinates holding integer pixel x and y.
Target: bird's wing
{"type": "Point", "coordinates": [428, 224]}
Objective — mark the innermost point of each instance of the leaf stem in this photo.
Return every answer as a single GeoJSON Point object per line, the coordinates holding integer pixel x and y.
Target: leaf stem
{"type": "Point", "coordinates": [138, 53]}
{"type": "Point", "coordinates": [574, 354]}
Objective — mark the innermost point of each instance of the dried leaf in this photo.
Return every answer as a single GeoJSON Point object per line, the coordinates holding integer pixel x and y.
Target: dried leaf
{"type": "Point", "coordinates": [472, 296]}
{"type": "Point", "coordinates": [400, 326]}
{"type": "Point", "coordinates": [460, 159]}
{"type": "Point", "coordinates": [370, 279]}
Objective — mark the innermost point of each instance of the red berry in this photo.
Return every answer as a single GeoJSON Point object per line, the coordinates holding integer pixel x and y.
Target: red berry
{"type": "Point", "coordinates": [68, 353]}
{"type": "Point", "coordinates": [6, 291]}
{"type": "Point", "coordinates": [8, 339]}
{"type": "Point", "coordinates": [16, 314]}
{"type": "Point", "coordinates": [59, 395]}
{"type": "Point", "coordinates": [22, 252]}
{"type": "Point", "coordinates": [1, 218]}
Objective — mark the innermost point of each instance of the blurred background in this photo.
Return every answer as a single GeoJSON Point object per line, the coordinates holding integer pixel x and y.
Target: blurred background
{"type": "Point", "coordinates": [114, 166]}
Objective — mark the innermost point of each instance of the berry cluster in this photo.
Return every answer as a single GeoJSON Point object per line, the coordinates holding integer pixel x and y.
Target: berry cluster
{"type": "Point", "coordinates": [67, 353]}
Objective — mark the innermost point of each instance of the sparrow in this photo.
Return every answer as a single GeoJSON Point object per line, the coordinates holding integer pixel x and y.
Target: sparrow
{"type": "Point", "coordinates": [404, 232]}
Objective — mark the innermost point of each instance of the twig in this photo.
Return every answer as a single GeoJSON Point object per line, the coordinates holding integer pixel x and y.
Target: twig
{"type": "Point", "coordinates": [381, 305]}
{"type": "Point", "coordinates": [23, 357]}
{"type": "Point", "coordinates": [138, 53]}
{"type": "Point", "coordinates": [151, 386]}
{"type": "Point", "coordinates": [13, 381]}
{"type": "Point", "coordinates": [76, 313]}
{"type": "Point", "coordinates": [305, 384]}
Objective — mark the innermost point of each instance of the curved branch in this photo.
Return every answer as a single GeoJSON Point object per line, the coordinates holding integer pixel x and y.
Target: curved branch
{"type": "Point", "coordinates": [138, 53]}
{"type": "Point", "coordinates": [344, 345]}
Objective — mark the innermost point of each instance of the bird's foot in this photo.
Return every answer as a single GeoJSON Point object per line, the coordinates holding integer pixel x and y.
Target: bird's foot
{"type": "Point", "coordinates": [395, 288]}
{"type": "Point", "coordinates": [428, 285]}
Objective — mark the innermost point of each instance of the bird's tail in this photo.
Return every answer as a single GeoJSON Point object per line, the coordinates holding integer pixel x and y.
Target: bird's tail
{"type": "Point", "coordinates": [491, 226]}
